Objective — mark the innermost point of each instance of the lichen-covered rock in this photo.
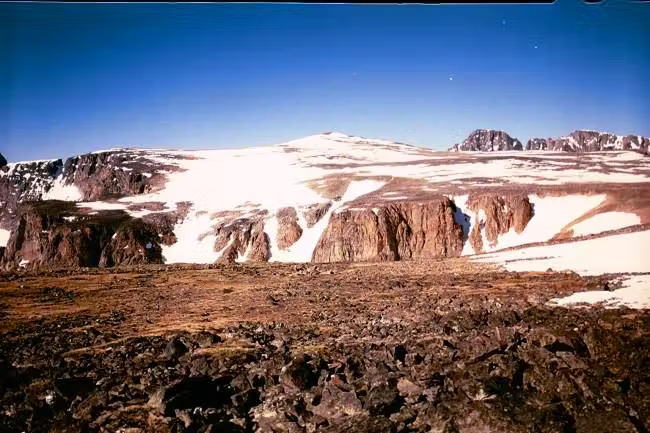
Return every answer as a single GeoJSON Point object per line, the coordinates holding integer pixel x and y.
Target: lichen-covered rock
{"type": "Point", "coordinates": [394, 231]}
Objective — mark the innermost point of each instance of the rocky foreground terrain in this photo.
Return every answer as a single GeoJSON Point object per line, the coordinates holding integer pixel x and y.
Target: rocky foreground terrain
{"type": "Point", "coordinates": [436, 346]}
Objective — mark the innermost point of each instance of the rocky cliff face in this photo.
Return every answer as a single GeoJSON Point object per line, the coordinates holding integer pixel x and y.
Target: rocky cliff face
{"type": "Point", "coordinates": [50, 233]}
{"type": "Point", "coordinates": [394, 231]}
{"type": "Point", "coordinates": [92, 176]}
{"type": "Point", "coordinates": [496, 216]}
{"type": "Point", "coordinates": [24, 182]}
{"type": "Point", "coordinates": [590, 141]}
{"type": "Point", "coordinates": [243, 238]}
{"type": "Point", "coordinates": [488, 140]}
{"type": "Point", "coordinates": [289, 231]}
{"type": "Point", "coordinates": [100, 175]}
{"type": "Point", "coordinates": [315, 212]}
{"type": "Point", "coordinates": [3, 161]}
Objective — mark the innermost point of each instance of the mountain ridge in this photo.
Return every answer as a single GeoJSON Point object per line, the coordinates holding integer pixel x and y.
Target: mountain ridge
{"type": "Point", "coordinates": [325, 197]}
{"type": "Point", "coordinates": [580, 140]}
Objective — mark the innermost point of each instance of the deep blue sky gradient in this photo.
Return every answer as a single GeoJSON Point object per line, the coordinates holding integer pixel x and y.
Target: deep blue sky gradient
{"type": "Point", "coordinates": [81, 77]}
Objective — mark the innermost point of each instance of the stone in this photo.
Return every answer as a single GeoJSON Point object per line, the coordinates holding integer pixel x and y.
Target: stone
{"type": "Point", "coordinates": [402, 230]}
{"type": "Point", "coordinates": [488, 140]}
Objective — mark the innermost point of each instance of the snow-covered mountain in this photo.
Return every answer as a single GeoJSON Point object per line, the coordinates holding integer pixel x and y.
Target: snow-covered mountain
{"type": "Point", "coordinates": [327, 197]}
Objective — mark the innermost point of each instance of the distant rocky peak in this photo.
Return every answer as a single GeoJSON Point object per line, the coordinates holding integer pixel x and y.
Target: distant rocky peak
{"type": "Point", "coordinates": [488, 140]}
{"type": "Point", "coordinates": [583, 140]}
{"type": "Point", "coordinates": [3, 161]}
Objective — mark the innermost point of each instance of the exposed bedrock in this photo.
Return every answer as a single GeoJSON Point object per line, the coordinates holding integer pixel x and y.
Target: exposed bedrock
{"type": "Point", "coordinates": [25, 181]}
{"type": "Point", "coordinates": [95, 175]}
{"type": "Point", "coordinates": [499, 214]}
{"type": "Point", "coordinates": [289, 231]}
{"type": "Point", "coordinates": [243, 237]}
{"type": "Point", "coordinates": [488, 140]}
{"type": "Point", "coordinates": [315, 212]}
{"type": "Point", "coordinates": [50, 234]}
{"type": "Point", "coordinates": [392, 231]}
{"type": "Point", "coordinates": [589, 141]}
{"type": "Point", "coordinates": [99, 175]}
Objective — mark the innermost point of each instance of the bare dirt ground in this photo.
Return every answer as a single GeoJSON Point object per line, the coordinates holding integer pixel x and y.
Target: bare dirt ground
{"type": "Point", "coordinates": [439, 346]}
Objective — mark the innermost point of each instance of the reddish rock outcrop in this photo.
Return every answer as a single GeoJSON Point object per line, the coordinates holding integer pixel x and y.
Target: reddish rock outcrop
{"type": "Point", "coordinates": [315, 212]}
{"type": "Point", "coordinates": [395, 231]}
{"type": "Point", "coordinates": [134, 243]}
{"type": "Point", "coordinates": [289, 231]}
{"type": "Point", "coordinates": [501, 213]}
{"type": "Point", "coordinates": [50, 234]}
{"type": "Point", "coordinates": [243, 237]}
{"type": "Point", "coordinates": [164, 222]}
{"type": "Point", "coordinates": [99, 175]}
{"type": "Point", "coordinates": [260, 248]}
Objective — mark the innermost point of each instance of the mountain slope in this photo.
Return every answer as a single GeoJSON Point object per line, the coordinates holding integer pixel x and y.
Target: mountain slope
{"type": "Point", "coordinates": [326, 197]}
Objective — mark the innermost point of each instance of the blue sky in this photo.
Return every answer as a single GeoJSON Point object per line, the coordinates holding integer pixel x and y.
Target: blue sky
{"type": "Point", "coordinates": [82, 77]}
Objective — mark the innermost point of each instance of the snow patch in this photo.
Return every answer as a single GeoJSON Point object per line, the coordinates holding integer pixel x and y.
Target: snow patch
{"type": "Point", "coordinates": [195, 241]}
{"type": "Point", "coordinates": [605, 221]}
{"type": "Point", "coordinates": [60, 191]}
{"type": "Point", "coordinates": [621, 253]}
{"type": "Point", "coordinates": [635, 293]}
{"type": "Point", "coordinates": [4, 237]}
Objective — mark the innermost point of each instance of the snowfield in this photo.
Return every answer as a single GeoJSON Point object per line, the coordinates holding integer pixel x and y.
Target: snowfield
{"type": "Point", "coordinates": [605, 221]}
{"type": "Point", "coordinates": [625, 253]}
